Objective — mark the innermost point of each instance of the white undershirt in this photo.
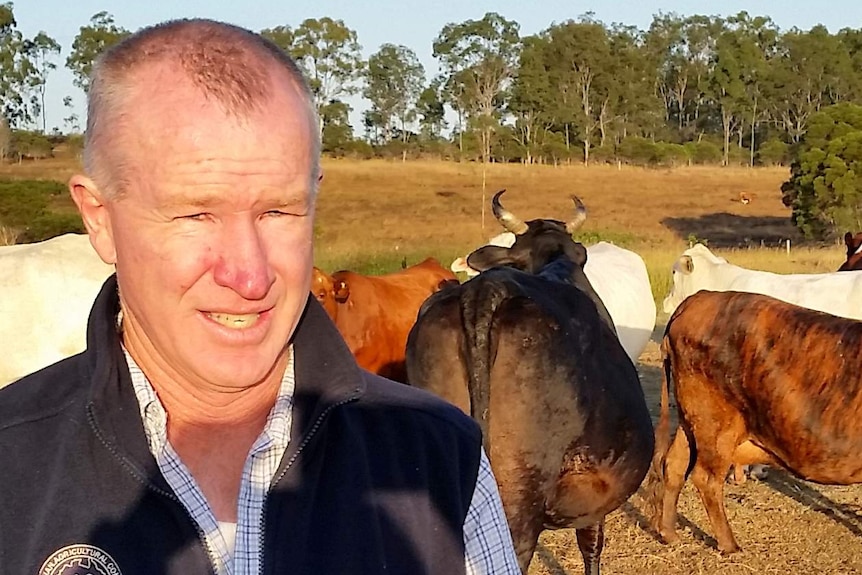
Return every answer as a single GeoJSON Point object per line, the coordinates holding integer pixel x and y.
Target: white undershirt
{"type": "Point", "coordinates": [228, 533]}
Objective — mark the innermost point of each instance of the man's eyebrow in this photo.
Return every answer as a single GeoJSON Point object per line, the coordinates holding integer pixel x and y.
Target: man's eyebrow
{"type": "Point", "coordinates": [204, 200]}
{"type": "Point", "coordinates": [196, 200]}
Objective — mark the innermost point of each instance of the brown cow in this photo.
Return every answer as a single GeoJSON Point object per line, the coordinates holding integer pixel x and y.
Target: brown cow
{"type": "Point", "coordinates": [528, 348]}
{"type": "Point", "coordinates": [854, 252]}
{"type": "Point", "coordinates": [375, 313]}
{"type": "Point", "coordinates": [757, 380]}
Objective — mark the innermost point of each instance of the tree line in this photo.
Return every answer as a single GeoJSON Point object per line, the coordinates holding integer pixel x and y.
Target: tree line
{"type": "Point", "coordinates": [688, 89]}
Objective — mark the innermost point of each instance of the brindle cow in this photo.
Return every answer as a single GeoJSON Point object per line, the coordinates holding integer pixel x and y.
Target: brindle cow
{"type": "Point", "coordinates": [375, 313]}
{"type": "Point", "coordinates": [528, 349]}
{"type": "Point", "coordinates": [757, 380]}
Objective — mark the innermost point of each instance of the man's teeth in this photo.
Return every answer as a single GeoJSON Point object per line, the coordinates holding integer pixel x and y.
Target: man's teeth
{"type": "Point", "coordinates": [235, 321]}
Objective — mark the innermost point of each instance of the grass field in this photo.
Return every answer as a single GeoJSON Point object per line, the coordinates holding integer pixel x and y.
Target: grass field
{"type": "Point", "coordinates": [374, 214]}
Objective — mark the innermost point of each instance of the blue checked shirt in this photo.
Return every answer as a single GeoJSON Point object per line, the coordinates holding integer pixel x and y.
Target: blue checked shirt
{"type": "Point", "coordinates": [236, 549]}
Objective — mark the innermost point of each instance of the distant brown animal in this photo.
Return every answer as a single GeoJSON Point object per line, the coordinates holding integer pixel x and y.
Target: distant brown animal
{"type": "Point", "coordinates": [854, 252]}
{"type": "Point", "coordinates": [744, 198]}
{"type": "Point", "coordinates": [529, 350]}
{"type": "Point", "coordinates": [375, 313]}
{"type": "Point", "coordinates": [757, 380]}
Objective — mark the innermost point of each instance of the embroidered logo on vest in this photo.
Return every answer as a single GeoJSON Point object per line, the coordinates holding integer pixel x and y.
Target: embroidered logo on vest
{"type": "Point", "coordinates": [80, 559]}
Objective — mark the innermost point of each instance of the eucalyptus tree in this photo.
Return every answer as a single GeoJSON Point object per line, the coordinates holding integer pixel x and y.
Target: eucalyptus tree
{"type": "Point", "coordinates": [700, 34]}
{"type": "Point", "coordinates": [632, 105]}
{"type": "Point", "coordinates": [93, 39]}
{"type": "Point", "coordinates": [665, 46]}
{"type": "Point", "coordinates": [750, 44]}
{"type": "Point", "coordinates": [851, 40]}
{"type": "Point", "coordinates": [337, 131]}
{"type": "Point", "coordinates": [330, 55]}
{"type": "Point", "coordinates": [531, 97]}
{"type": "Point", "coordinates": [805, 76]}
{"type": "Point", "coordinates": [72, 122]}
{"type": "Point", "coordinates": [478, 59]}
{"type": "Point", "coordinates": [16, 73]}
{"type": "Point", "coordinates": [727, 83]}
{"type": "Point", "coordinates": [393, 84]}
{"type": "Point", "coordinates": [282, 36]}
{"type": "Point", "coordinates": [580, 53]}
{"type": "Point", "coordinates": [5, 137]}
{"type": "Point", "coordinates": [454, 91]}
{"type": "Point", "coordinates": [431, 109]}
{"type": "Point", "coordinates": [42, 50]}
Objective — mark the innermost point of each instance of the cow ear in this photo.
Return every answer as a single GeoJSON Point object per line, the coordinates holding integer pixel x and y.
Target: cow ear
{"type": "Point", "coordinates": [488, 257]}
{"type": "Point", "coordinates": [848, 239]}
{"type": "Point", "coordinates": [342, 291]}
{"type": "Point", "coordinates": [459, 265]}
{"type": "Point", "coordinates": [686, 264]}
{"type": "Point", "coordinates": [576, 252]}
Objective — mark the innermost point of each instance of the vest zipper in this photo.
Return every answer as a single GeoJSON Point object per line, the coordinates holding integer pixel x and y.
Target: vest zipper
{"type": "Point", "coordinates": [287, 466]}
{"type": "Point", "coordinates": [201, 535]}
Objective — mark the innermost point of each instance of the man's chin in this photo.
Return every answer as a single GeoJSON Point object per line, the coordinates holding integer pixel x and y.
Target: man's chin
{"type": "Point", "coordinates": [240, 371]}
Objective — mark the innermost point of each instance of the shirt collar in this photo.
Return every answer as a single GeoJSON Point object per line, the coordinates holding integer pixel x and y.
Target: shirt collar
{"type": "Point", "coordinates": [276, 431]}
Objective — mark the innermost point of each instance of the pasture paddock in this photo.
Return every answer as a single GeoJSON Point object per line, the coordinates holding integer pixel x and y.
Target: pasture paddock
{"type": "Point", "coordinates": [373, 214]}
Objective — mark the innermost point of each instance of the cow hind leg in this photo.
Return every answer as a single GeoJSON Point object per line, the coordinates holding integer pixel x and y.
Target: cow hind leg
{"type": "Point", "coordinates": [524, 550]}
{"type": "Point", "coordinates": [739, 473]}
{"type": "Point", "coordinates": [591, 541]}
{"type": "Point", "coordinates": [708, 477]}
{"type": "Point", "coordinates": [525, 526]}
{"type": "Point", "coordinates": [674, 469]}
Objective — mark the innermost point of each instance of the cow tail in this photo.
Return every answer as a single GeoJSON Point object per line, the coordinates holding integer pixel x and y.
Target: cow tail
{"type": "Point", "coordinates": [477, 314]}
{"type": "Point", "coordinates": [654, 485]}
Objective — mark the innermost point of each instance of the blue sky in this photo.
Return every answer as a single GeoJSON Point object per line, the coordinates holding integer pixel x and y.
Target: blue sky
{"type": "Point", "coordinates": [412, 23]}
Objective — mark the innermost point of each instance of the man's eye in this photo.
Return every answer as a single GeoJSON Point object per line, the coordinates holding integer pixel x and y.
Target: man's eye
{"type": "Point", "coordinates": [197, 217]}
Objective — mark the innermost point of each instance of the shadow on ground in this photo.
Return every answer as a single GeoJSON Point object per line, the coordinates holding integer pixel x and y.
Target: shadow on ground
{"type": "Point", "coordinates": [550, 561]}
{"type": "Point", "coordinates": [846, 515]}
{"type": "Point", "coordinates": [725, 230]}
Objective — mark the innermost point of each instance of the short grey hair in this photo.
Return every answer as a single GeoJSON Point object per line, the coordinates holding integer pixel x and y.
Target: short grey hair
{"type": "Point", "coordinates": [227, 62]}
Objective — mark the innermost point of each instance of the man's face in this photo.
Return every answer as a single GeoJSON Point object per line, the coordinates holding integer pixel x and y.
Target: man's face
{"type": "Point", "coordinates": [213, 238]}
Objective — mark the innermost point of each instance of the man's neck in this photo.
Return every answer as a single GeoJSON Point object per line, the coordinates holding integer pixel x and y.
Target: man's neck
{"type": "Point", "coordinates": [213, 429]}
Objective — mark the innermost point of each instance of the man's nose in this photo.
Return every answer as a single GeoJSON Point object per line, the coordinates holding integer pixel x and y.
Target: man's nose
{"type": "Point", "coordinates": [243, 264]}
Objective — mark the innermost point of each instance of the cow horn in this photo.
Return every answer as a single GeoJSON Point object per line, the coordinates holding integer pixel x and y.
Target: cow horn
{"type": "Point", "coordinates": [506, 218]}
{"type": "Point", "coordinates": [580, 216]}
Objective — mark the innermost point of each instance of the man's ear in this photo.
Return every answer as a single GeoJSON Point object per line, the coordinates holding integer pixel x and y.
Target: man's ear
{"type": "Point", "coordinates": [94, 212]}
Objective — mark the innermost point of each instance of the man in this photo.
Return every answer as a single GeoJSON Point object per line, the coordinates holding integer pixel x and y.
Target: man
{"type": "Point", "coordinates": [217, 422]}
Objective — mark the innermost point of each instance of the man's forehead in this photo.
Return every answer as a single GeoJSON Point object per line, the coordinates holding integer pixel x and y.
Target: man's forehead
{"type": "Point", "coordinates": [166, 85]}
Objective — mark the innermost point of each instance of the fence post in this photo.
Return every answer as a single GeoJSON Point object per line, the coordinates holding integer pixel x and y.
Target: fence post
{"type": "Point", "coordinates": [788, 247]}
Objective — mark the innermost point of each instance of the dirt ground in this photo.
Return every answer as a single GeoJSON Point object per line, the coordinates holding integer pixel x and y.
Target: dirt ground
{"type": "Point", "coordinates": [784, 525]}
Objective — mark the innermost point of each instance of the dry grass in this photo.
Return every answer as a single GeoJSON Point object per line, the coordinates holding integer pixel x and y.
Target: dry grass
{"type": "Point", "coordinates": [420, 202]}
{"type": "Point", "coordinates": [373, 214]}
{"type": "Point", "coordinates": [8, 236]}
{"type": "Point", "coordinates": [60, 169]}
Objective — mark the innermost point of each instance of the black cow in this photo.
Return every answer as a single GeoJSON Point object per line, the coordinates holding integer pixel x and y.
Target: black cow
{"type": "Point", "coordinates": [528, 349]}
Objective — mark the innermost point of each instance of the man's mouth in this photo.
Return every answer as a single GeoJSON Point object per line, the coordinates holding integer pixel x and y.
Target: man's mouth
{"type": "Point", "coordinates": [234, 321]}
